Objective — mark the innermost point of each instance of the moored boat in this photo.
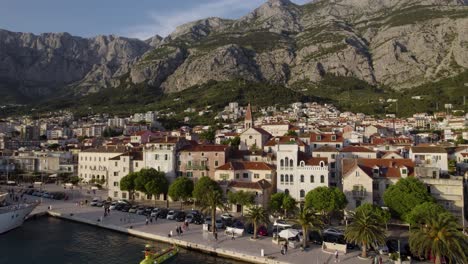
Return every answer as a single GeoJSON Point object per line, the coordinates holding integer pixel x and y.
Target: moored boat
{"type": "Point", "coordinates": [158, 257]}
{"type": "Point", "coordinates": [13, 215]}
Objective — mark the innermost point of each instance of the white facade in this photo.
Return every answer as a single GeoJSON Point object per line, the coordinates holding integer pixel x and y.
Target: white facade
{"type": "Point", "coordinates": [294, 176]}
{"type": "Point", "coordinates": [430, 157]}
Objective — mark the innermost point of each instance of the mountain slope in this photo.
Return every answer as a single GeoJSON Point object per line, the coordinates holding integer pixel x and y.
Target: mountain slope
{"type": "Point", "coordinates": [388, 43]}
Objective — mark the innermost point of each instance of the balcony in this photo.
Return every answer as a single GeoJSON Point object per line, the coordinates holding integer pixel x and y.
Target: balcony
{"type": "Point", "coordinates": [197, 167]}
{"type": "Point", "coordinates": [359, 192]}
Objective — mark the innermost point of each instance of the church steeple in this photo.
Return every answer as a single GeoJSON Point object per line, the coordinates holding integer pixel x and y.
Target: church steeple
{"type": "Point", "coordinates": [248, 122]}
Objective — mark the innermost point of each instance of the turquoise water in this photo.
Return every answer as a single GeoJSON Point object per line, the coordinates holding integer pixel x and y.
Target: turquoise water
{"type": "Point", "coordinates": [52, 241]}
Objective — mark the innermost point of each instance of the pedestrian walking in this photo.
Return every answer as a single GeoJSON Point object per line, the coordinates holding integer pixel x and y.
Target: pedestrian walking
{"type": "Point", "coordinates": [286, 248]}
{"type": "Point", "coordinates": [177, 230]}
{"type": "Point", "coordinates": [151, 219]}
{"type": "Point", "coordinates": [170, 233]}
{"type": "Point", "coordinates": [216, 236]}
{"type": "Point", "coordinates": [147, 221]}
{"type": "Point", "coordinates": [233, 237]}
{"type": "Point", "coordinates": [336, 256]}
{"type": "Point", "coordinates": [181, 231]}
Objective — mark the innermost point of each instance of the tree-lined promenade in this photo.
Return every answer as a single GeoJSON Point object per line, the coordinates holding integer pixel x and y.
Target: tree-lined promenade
{"type": "Point", "coordinates": [434, 232]}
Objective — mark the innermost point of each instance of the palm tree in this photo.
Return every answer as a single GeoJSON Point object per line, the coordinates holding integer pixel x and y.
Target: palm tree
{"type": "Point", "coordinates": [308, 219]}
{"type": "Point", "coordinates": [439, 237]}
{"type": "Point", "coordinates": [367, 228]}
{"type": "Point", "coordinates": [213, 200]}
{"type": "Point", "coordinates": [257, 215]}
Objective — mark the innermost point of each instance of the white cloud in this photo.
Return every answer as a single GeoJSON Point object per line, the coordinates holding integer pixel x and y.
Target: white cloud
{"type": "Point", "coordinates": [163, 22]}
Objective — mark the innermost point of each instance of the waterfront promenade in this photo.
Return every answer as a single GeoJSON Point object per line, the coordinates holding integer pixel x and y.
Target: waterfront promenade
{"type": "Point", "coordinates": [241, 248]}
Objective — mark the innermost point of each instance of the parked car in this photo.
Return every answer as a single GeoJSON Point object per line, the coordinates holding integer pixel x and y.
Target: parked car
{"type": "Point", "coordinates": [133, 209]}
{"type": "Point", "coordinates": [392, 245]}
{"type": "Point", "coordinates": [219, 223]}
{"type": "Point", "coordinates": [315, 237]}
{"type": "Point", "coordinates": [148, 211]}
{"type": "Point", "coordinates": [189, 218]}
{"type": "Point", "coordinates": [179, 216]}
{"type": "Point", "coordinates": [140, 210]}
{"type": "Point", "coordinates": [261, 230]}
{"type": "Point", "coordinates": [332, 231]}
{"type": "Point", "coordinates": [95, 202]}
{"type": "Point", "coordinates": [126, 208]}
{"type": "Point", "coordinates": [118, 207]}
{"type": "Point", "coordinates": [226, 216]}
{"type": "Point", "coordinates": [155, 212]}
{"type": "Point", "coordinates": [171, 215]}
{"type": "Point", "coordinates": [113, 205]}
{"type": "Point", "coordinates": [163, 213]}
{"type": "Point", "coordinates": [282, 223]}
{"type": "Point", "coordinates": [197, 219]}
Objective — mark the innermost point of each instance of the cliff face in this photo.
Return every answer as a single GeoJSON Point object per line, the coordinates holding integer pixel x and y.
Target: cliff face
{"type": "Point", "coordinates": [398, 43]}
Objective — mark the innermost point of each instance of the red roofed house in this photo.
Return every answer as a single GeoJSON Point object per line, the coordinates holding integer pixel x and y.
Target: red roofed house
{"type": "Point", "coordinates": [195, 161]}
{"type": "Point", "coordinates": [318, 140]}
{"type": "Point", "coordinates": [256, 177]}
{"type": "Point", "coordinates": [141, 137]}
{"type": "Point", "coordinates": [365, 180]}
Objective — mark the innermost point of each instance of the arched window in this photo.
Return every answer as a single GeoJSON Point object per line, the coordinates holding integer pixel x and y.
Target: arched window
{"type": "Point", "coordinates": [322, 178]}
{"type": "Point", "coordinates": [302, 163]}
{"type": "Point", "coordinates": [286, 192]}
{"type": "Point", "coordinates": [291, 178]}
{"type": "Point", "coordinates": [302, 193]}
{"type": "Point", "coordinates": [286, 160]}
{"type": "Point", "coordinates": [312, 178]}
{"type": "Point", "coordinates": [282, 178]}
{"type": "Point", "coordinates": [286, 178]}
{"type": "Point", "coordinates": [321, 164]}
{"type": "Point", "coordinates": [302, 178]}
{"type": "Point", "coordinates": [282, 163]}
{"type": "Point", "coordinates": [291, 164]}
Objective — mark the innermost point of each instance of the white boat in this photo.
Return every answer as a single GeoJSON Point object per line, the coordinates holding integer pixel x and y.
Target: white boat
{"type": "Point", "coordinates": [13, 216]}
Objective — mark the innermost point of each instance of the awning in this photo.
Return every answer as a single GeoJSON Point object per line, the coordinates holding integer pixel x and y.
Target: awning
{"type": "Point", "coordinates": [288, 233]}
{"type": "Point", "coordinates": [53, 176]}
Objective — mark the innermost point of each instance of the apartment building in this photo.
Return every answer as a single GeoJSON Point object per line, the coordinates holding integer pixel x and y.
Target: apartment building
{"type": "Point", "coordinates": [195, 161]}
{"type": "Point", "coordinates": [93, 163]}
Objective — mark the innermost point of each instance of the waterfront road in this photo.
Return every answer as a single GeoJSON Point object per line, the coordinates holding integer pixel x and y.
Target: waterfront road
{"type": "Point", "coordinates": [195, 235]}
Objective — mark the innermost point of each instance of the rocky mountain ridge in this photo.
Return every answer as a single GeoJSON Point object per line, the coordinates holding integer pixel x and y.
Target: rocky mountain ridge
{"type": "Point", "coordinates": [393, 43]}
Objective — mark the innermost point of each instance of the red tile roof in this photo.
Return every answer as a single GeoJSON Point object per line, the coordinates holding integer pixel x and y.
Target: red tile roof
{"type": "Point", "coordinates": [388, 168]}
{"type": "Point", "coordinates": [260, 185]}
{"type": "Point", "coordinates": [204, 148]}
{"type": "Point", "coordinates": [356, 149]}
{"type": "Point", "coordinates": [428, 150]}
{"type": "Point", "coordinates": [246, 165]}
{"type": "Point", "coordinates": [326, 149]}
{"type": "Point", "coordinates": [326, 138]}
{"type": "Point", "coordinates": [285, 140]}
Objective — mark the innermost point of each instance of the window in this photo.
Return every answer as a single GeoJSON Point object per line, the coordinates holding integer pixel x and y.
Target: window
{"type": "Point", "coordinates": [302, 178]}
{"type": "Point", "coordinates": [286, 161]}
{"type": "Point", "coordinates": [116, 173]}
{"type": "Point", "coordinates": [286, 178]}
{"type": "Point", "coordinates": [333, 175]}
{"type": "Point", "coordinates": [124, 195]}
{"type": "Point", "coordinates": [338, 146]}
{"type": "Point", "coordinates": [286, 192]}
{"type": "Point", "coordinates": [282, 163]}
{"type": "Point", "coordinates": [291, 163]}
{"type": "Point", "coordinates": [245, 175]}
{"type": "Point", "coordinates": [203, 154]}
{"type": "Point", "coordinates": [224, 176]}
{"type": "Point", "coordinates": [116, 164]}
{"type": "Point", "coordinates": [166, 157]}
{"type": "Point", "coordinates": [357, 173]}
{"type": "Point", "coordinates": [333, 137]}
{"type": "Point", "coordinates": [282, 178]}
{"type": "Point", "coordinates": [116, 184]}
{"type": "Point", "coordinates": [302, 194]}
{"type": "Point", "coordinates": [404, 171]}
{"type": "Point", "coordinates": [322, 164]}
{"type": "Point", "coordinates": [237, 176]}
{"type": "Point", "coordinates": [291, 178]}
{"type": "Point", "coordinates": [123, 169]}
{"type": "Point", "coordinates": [116, 194]}
{"type": "Point", "coordinates": [216, 163]}
{"type": "Point", "coordinates": [156, 157]}
{"type": "Point", "coordinates": [322, 179]}
{"type": "Point", "coordinates": [136, 164]}
{"type": "Point", "coordinates": [99, 158]}
{"type": "Point", "coordinates": [268, 176]}
{"type": "Point", "coordinates": [375, 171]}
{"type": "Point", "coordinates": [333, 156]}
{"type": "Point", "coordinates": [312, 178]}
{"type": "Point", "coordinates": [203, 174]}
{"type": "Point", "coordinates": [318, 138]}
{"type": "Point", "coordinates": [318, 155]}
{"type": "Point", "coordinates": [189, 174]}
{"type": "Point", "coordinates": [256, 176]}
{"type": "Point", "coordinates": [189, 163]}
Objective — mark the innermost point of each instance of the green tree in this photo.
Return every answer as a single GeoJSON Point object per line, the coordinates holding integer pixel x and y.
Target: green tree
{"type": "Point", "coordinates": [366, 228]}
{"type": "Point", "coordinates": [384, 215]}
{"type": "Point", "coordinates": [202, 186]}
{"type": "Point", "coordinates": [143, 177]}
{"type": "Point", "coordinates": [291, 133]}
{"type": "Point", "coordinates": [235, 142]}
{"type": "Point", "coordinates": [213, 199]}
{"type": "Point", "coordinates": [439, 237]}
{"type": "Point", "coordinates": [158, 184]}
{"type": "Point", "coordinates": [406, 194]}
{"type": "Point", "coordinates": [281, 204]}
{"type": "Point", "coordinates": [257, 215]}
{"type": "Point", "coordinates": [181, 189]}
{"type": "Point", "coordinates": [208, 135]}
{"type": "Point", "coordinates": [421, 213]}
{"type": "Point", "coordinates": [74, 180]}
{"type": "Point", "coordinates": [308, 220]}
{"type": "Point", "coordinates": [127, 183]}
{"type": "Point", "coordinates": [242, 198]}
{"type": "Point", "coordinates": [326, 200]}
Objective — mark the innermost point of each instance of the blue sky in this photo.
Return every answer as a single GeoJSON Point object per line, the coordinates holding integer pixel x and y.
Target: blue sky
{"type": "Point", "coordinates": [131, 18]}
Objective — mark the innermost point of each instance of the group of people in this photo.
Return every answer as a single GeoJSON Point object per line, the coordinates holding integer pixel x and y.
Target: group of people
{"type": "Point", "coordinates": [180, 229]}
{"type": "Point", "coordinates": [149, 219]}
